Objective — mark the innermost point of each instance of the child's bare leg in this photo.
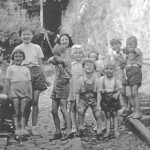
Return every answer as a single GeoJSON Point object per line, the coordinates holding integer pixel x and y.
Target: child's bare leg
{"type": "Point", "coordinates": [23, 104]}
{"type": "Point", "coordinates": [16, 112]}
{"type": "Point", "coordinates": [81, 117]}
{"type": "Point", "coordinates": [27, 112]}
{"type": "Point", "coordinates": [98, 119]}
{"type": "Point", "coordinates": [108, 121]}
{"type": "Point", "coordinates": [54, 111]}
{"type": "Point", "coordinates": [137, 100]}
{"type": "Point", "coordinates": [73, 114]}
{"type": "Point", "coordinates": [124, 97]}
{"type": "Point", "coordinates": [115, 120]}
{"type": "Point", "coordinates": [35, 107]}
{"type": "Point", "coordinates": [129, 95]}
{"type": "Point", "coordinates": [63, 107]}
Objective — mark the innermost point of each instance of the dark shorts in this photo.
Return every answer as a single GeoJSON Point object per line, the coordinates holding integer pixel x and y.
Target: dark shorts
{"type": "Point", "coordinates": [134, 76]}
{"type": "Point", "coordinates": [37, 78]}
{"type": "Point", "coordinates": [110, 104]}
{"type": "Point", "coordinates": [84, 104]}
{"type": "Point", "coordinates": [60, 89]}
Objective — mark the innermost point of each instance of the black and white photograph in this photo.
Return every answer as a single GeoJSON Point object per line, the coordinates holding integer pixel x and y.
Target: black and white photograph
{"type": "Point", "coordinates": [74, 74]}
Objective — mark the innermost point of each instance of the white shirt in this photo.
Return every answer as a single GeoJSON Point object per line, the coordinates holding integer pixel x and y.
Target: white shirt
{"type": "Point", "coordinates": [17, 73]}
{"type": "Point", "coordinates": [32, 53]}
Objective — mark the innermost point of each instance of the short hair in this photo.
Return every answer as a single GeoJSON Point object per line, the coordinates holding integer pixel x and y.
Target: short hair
{"type": "Point", "coordinates": [88, 61]}
{"type": "Point", "coordinates": [18, 51]}
{"type": "Point", "coordinates": [74, 47]}
{"type": "Point", "coordinates": [22, 29]}
{"type": "Point", "coordinates": [94, 53]}
{"type": "Point", "coordinates": [58, 49]}
{"type": "Point", "coordinates": [109, 62]}
{"type": "Point", "coordinates": [67, 35]}
{"type": "Point", "coordinates": [132, 39]}
{"type": "Point", "coordinates": [115, 41]}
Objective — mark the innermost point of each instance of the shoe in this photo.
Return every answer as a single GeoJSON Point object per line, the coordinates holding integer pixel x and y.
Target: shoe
{"type": "Point", "coordinates": [67, 136]}
{"type": "Point", "coordinates": [74, 130]}
{"type": "Point", "coordinates": [17, 138]}
{"type": "Point", "coordinates": [56, 136]}
{"type": "Point", "coordinates": [99, 135]}
{"type": "Point", "coordinates": [80, 132]}
{"type": "Point", "coordinates": [124, 113]}
{"type": "Point", "coordinates": [130, 116]}
{"type": "Point", "coordinates": [137, 115]}
{"type": "Point", "coordinates": [34, 132]}
{"type": "Point", "coordinates": [106, 135]}
{"type": "Point", "coordinates": [63, 126]}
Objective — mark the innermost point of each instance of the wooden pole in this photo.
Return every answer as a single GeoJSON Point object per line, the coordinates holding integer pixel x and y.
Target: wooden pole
{"type": "Point", "coordinates": [41, 13]}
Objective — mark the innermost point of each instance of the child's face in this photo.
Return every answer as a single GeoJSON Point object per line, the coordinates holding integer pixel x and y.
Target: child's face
{"type": "Point", "coordinates": [93, 57]}
{"type": "Point", "coordinates": [116, 47]}
{"type": "Point", "coordinates": [109, 70]}
{"type": "Point", "coordinates": [26, 36]}
{"type": "Point", "coordinates": [89, 67]}
{"type": "Point", "coordinates": [18, 58]}
{"type": "Point", "coordinates": [64, 40]}
{"type": "Point", "coordinates": [78, 54]}
{"type": "Point", "coordinates": [131, 46]}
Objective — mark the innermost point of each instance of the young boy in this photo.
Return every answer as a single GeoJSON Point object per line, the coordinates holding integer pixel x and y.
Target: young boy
{"type": "Point", "coordinates": [109, 88]}
{"type": "Point", "coordinates": [120, 60]}
{"type": "Point", "coordinates": [87, 96]}
{"type": "Point", "coordinates": [60, 91]}
{"type": "Point", "coordinates": [134, 75]}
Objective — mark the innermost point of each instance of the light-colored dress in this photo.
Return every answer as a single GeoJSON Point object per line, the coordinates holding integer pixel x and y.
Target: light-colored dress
{"type": "Point", "coordinates": [77, 71]}
{"type": "Point", "coordinates": [19, 77]}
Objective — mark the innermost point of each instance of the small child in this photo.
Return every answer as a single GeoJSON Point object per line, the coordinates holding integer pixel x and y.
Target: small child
{"type": "Point", "coordinates": [120, 60]}
{"type": "Point", "coordinates": [109, 90]}
{"type": "Point", "coordinates": [18, 87]}
{"type": "Point", "coordinates": [61, 91]}
{"type": "Point", "coordinates": [94, 56]}
{"type": "Point", "coordinates": [87, 96]}
{"type": "Point", "coordinates": [77, 71]}
{"type": "Point", "coordinates": [134, 75]}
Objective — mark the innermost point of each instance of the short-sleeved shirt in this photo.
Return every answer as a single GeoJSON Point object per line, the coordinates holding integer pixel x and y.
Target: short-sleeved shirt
{"type": "Point", "coordinates": [135, 58]}
{"type": "Point", "coordinates": [32, 53]}
{"type": "Point", "coordinates": [18, 73]}
{"type": "Point", "coordinates": [109, 84]}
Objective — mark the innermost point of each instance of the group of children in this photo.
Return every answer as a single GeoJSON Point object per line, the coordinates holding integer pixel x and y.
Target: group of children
{"type": "Point", "coordinates": [82, 82]}
{"type": "Point", "coordinates": [79, 83]}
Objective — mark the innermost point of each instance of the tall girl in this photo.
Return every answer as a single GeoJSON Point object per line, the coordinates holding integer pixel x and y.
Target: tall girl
{"type": "Point", "coordinates": [33, 61]}
{"type": "Point", "coordinates": [76, 70]}
{"type": "Point", "coordinates": [18, 87]}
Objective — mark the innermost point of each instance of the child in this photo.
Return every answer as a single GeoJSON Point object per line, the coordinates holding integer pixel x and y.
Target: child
{"type": "Point", "coordinates": [86, 96]}
{"type": "Point", "coordinates": [120, 59]}
{"type": "Point", "coordinates": [134, 75]}
{"type": "Point", "coordinates": [94, 56]}
{"type": "Point", "coordinates": [109, 90]}
{"type": "Point", "coordinates": [76, 70]}
{"type": "Point", "coordinates": [60, 91]}
{"type": "Point", "coordinates": [18, 87]}
{"type": "Point", "coordinates": [33, 60]}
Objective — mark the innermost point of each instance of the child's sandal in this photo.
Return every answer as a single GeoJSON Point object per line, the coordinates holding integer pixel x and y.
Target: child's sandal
{"type": "Point", "coordinates": [106, 135]}
{"type": "Point", "coordinates": [137, 116]}
{"type": "Point", "coordinates": [116, 134]}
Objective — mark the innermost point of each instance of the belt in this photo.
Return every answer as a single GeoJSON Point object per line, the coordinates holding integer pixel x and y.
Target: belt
{"type": "Point", "coordinates": [30, 65]}
{"type": "Point", "coordinates": [130, 65]}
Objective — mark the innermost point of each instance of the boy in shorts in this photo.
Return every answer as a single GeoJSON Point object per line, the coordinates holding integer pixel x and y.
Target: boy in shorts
{"type": "Point", "coordinates": [86, 96]}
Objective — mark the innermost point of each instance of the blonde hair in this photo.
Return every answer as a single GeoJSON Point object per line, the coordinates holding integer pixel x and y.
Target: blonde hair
{"type": "Point", "coordinates": [109, 62]}
{"type": "Point", "coordinates": [77, 47]}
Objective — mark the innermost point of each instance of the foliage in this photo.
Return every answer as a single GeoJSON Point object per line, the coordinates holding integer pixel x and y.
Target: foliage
{"type": "Point", "coordinates": [12, 17]}
{"type": "Point", "coordinates": [94, 23]}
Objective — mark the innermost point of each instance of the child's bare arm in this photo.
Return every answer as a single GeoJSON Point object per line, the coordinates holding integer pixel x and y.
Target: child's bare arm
{"type": "Point", "coordinates": [99, 100]}
{"type": "Point", "coordinates": [8, 87]}
{"type": "Point", "coordinates": [116, 95]}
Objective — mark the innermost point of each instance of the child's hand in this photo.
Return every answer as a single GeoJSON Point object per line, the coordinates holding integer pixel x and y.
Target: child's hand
{"type": "Point", "coordinates": [99, 108]}
{"type": "Point", "coordinates": [51, 59]}
{"type": "Point", "coordinates": [48, 83]}
{"type": "Point", "coordinates": [115, 96]}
